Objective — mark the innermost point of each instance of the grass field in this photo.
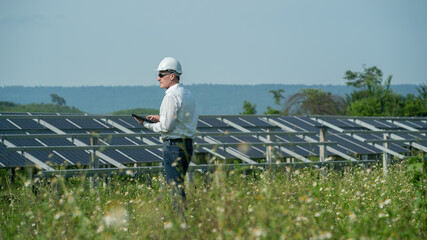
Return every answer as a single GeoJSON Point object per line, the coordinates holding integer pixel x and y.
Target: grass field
{"type": "Point", "coordinates": [355, 203]}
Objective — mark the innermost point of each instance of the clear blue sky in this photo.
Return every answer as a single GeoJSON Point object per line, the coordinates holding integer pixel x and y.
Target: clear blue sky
{"type": "Point", "coordinates": [100, 42]}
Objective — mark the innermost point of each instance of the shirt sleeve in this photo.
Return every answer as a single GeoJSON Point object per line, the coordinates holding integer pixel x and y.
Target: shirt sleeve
{"type": "Point", "coordinates": [168, 115]}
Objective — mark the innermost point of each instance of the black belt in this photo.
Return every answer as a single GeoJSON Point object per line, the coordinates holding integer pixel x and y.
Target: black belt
{"type": "Point", "coordinates": [178, 139]}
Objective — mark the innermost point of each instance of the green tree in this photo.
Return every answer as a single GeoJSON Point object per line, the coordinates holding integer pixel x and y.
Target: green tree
{"type": "Point", "coordinates": [368, 81]}
{"type": "Point", "coordinates": [371, 97]}
{"type": "Point", "coordinates": [422, 90]}
{"type": "Point", "coordinates": [277, 96]}
{"type": "Point", "coordinates": [314, 102]}
{"type": "Point", "coordinates": [416, 105]}
{"type": "Point", "coordinates": [57, 99]}
{"type": "Point", "coordinates": [248, 108]}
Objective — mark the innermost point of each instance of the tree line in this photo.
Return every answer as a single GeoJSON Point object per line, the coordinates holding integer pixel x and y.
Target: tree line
{"type": "Point", "coordinates": [59, 105]}
{"type": "Point", "coordinates": [372, 96]}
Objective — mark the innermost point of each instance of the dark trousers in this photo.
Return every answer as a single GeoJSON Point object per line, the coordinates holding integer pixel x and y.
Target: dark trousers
{"type": "Point", "coordinates": [176, 158]}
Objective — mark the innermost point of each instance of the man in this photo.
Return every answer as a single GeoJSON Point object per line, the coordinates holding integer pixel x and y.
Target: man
{"type": "Point", "coordinates": [177, 124]}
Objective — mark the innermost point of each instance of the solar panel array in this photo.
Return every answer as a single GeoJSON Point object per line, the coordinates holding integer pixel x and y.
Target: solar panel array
{"type": "Point", "coordinates": [246, 135]}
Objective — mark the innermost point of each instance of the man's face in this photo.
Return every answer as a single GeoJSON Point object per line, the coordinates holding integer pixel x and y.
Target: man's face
{"type": "Point", "coordinates": [165, 79]}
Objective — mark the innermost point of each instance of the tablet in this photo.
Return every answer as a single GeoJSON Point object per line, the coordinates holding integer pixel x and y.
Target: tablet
{"type": "Point", "coordinates": [142, 118]}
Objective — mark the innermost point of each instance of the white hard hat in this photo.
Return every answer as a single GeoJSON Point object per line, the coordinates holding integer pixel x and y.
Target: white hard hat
{"type": "Point", "coordinates": [170, 64]}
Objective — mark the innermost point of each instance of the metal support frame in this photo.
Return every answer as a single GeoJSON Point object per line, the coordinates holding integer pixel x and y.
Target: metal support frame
{"type": "Point", "coordinates": [393, 136]}
{"type": "Point", "coordinates": [385, 155]}
{"type": "Point", "coordinates": [323, 152]}
{"type": "Point", "coordinates": [268, 154]}
{"type": "Point", "coordinates": [37, 162]}
{"type": "Point", "coordinates": [265, 140]}
{"type": "Point", "coordinates": [330, 149]}
{"type": "Point", "coordinates": [94, 161]}
{"type": "Point", "coordinates": [203, 168]}
{"type": "Point", "coordinates": [321, 121]}
{"type": "Point", "coordinates": [78, 143]}
{"type": "Point", "coordinates": [196, 145]}
{"type": "Point", "coordinates": [40, 119]}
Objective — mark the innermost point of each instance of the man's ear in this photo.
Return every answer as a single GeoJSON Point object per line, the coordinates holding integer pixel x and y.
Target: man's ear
{"type": "Point", "coordinates": [174, 77]}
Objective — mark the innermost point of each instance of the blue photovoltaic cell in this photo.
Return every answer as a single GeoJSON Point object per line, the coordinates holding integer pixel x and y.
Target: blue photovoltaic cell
{"type": "Point", "coordinates": [224, 139]}
{"type": "Point", "coordinates": [61, 124]}
{"type": "Point", "coordinates": [118, 156]}
{"type": "Point", "coordinates": [201, 124]}
{"type": "Point", "coordinates": [117, 141]}
{"type": "Point", "coordinates": [305, 151]}
{"type": "Point", "coordinates": [303, 123]}
{"type": "Point", "coordinates": [240, 121]}
{"type": "Point", "coordinates": [269, 129]}
{"type": "Point", "coordinates": [287, 121]}
{"type": "Point", "coordinates": [129, 123]}
{"type": "Point", "coordinates": [27, 124]}
{"type": "Point", "coordinates": [343, 149]}
{"type": "Point", "coordinates": [213, 122]}
{"type": "Point", "coordinates": [89, 124]}
{"type": "Point", "coordinates": [350, 143]}
{"type": "Point", "coordinates": [342, 123]}
{"type": "Point", "coordinates": [414, 124]}
{"type": "Point", "coordinates": [4, 124]}
{"type": "Point", "coordinates": [84, 140]}
{"type": "Point", "coordinates": [24, 142]}
{"type": "Point", "coordinates": [142, 155]}
{"type": "Point", "coordinates": [76, 157]}
{"type": "Point", "coordinates": [220, 151]}
{"type": "Point", "coordinates": [397, 147]}
{"type": "Point", "coordinates": [222, 130]}
{"type": "Point", "coordinates": [48, 157]}
{"type": "Point", "coordinates": [367, 135]}
{"type": "Point", "coordinates": [251, 152]}
{"type": "Point", "coordinates": [248, 138]}
{"type": "Point", "coordinates": [380, 124]}
{"type": "Point", "coordinates": [56, 142]}
{"type": "Point", "coordinates": [287, 138]}
{"type": "Point", "coordinates": [258, 122]}
{"type": "Point", "coordinates": [13, 159]}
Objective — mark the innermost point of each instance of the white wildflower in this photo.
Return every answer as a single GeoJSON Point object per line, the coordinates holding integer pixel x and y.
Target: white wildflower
{"type": "Point", "coordinates": [58, 215]}
{"type": "Point", "coordinates": [27, 183]}
{"type": "Point", "coordinates": [117, 216]}
{"type": "Point", "coordinates": [167, 225]}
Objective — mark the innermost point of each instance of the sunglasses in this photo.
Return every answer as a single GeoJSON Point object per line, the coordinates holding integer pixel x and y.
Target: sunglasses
{"type": "Point", "coordinates": [161, 75]}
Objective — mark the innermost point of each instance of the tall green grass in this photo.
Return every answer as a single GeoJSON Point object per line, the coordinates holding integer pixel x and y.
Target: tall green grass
{"type": "Point", "coordinates": [303, 204]}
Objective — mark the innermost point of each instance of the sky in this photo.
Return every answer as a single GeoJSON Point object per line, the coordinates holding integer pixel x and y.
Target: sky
{"type": "Point", "coordinates": [120, 43]}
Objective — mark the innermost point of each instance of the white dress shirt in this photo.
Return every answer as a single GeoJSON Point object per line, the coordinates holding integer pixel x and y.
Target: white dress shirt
{"type": "Point", "coordinates": [178, 115]}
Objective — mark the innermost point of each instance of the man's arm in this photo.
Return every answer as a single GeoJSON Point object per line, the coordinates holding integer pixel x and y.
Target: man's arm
{"type": "Point", "coordinates": [168, 113]}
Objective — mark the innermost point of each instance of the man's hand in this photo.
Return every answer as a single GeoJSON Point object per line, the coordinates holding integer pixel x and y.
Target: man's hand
{"type": "Point", "coordinates": [154, 118]}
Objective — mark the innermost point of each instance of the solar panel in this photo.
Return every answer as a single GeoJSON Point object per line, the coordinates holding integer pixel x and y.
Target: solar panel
{"type": "Point", "coordinates": [6, 125]}
{"type": "Point", "coordinates": [246, 132]}
{"type": "Point", "coordinates": [13, 159]}
{"type": "Point", "coordinates": [27, 124]}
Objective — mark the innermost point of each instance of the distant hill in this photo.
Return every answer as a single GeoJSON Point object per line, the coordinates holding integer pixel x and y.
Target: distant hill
{"type": "Point", "coordinates": [36, 108]}
{"type": "Point", "coordinates": [211, 98]}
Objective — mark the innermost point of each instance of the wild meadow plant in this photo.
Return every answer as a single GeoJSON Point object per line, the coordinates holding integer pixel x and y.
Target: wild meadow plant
{"type": "Point", "coordinates": [353, 203]}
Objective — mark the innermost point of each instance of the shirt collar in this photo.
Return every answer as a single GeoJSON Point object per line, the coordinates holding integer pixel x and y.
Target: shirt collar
{"type": "Point", "coordinates": [173, 88]}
